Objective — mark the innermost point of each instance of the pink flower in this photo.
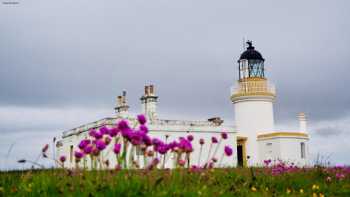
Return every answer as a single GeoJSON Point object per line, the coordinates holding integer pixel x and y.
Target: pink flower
{"type": "Point", "coordinates": [143, 128]}
{"type": "Point", "coordinates": [141, 118]}
{"type": "Point", "coordinates": [181, 162]}
{"type": "Point", "coordinates": [201, 141]}
{"type": "Point", "coordinates": [228, 151]}
{"type": "Point", "coordinates": [224, 135]}
{"type": "Point", "coordinates": [214, 140]}
{"type": "Point", "coordinates": [340, 176]}
{"type": "Point", "coordinates": [84, 143]}
{"type": "Point", "coordinates": [98, 135]}
{"type": "Point", "coordinates": [123, 125]}
{"type": "Point", "coordinates": [88, 149]}
{"type": "Point", "coordinates": [190, 138]}
{"type": "Point", "coordinates": [92, 132]}
{"type": "Point", "coordinates": [78, 155]}
{"type": "Point", "coordinates": [117, 148]}
{"type": "Point", "coordinates": [100, 145]}
{"type": "Point", "coordinates": [113, 132]}
{"type": "Point", "coordinates": [104, 130]}
{"type": "Point", "coordinates": [267, 162]}
{"type": "Point", "coordinates": [63, 158]}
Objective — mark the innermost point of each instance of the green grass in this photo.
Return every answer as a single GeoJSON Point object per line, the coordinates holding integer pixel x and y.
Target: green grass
{"type": "Point", "coordinates": [214, 182]}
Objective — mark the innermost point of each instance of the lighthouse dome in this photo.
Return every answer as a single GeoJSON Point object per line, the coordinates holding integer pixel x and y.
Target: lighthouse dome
{"type": "Point", "coordinates": [251, 53]}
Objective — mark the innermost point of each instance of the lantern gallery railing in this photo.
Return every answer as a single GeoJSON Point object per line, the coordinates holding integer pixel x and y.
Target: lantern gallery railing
{"type": "Point", "coordinates": [251, 87]}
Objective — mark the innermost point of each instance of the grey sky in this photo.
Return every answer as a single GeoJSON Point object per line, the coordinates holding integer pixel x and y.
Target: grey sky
{"type": "Point", "coordinates": [63, 58]}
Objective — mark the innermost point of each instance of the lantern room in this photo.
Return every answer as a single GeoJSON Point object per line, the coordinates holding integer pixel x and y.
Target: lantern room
{"type": "Point", "coordinates": [251, 63]}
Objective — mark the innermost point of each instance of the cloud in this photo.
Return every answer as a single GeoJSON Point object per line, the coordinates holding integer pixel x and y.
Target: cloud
{"type": "Point", "coordinates": [328, 131]}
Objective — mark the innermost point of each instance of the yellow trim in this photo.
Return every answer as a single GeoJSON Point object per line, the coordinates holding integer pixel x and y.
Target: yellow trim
{"type": "Point", "coordinates": [283, 134]}
{"type": "Point", "coordinates": [242, 141]}
{"type": "Point", "coordinates": [253, 79]}
{"type": "Point", "coordinates": [252, 94]}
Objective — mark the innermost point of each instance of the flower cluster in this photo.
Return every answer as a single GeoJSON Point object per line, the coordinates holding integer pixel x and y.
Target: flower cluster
{"type": "Point", "coordinates": [129, 144]}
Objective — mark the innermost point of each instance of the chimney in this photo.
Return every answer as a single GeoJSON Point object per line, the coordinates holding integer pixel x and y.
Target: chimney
{"type": "Point", "coordinates": [149, 103]}
{"type": "Point", "coordinates": [122, 106]}
{"type": "Point", "coordinates": [302, 122]}
{"type": "Point", "coordinates": [146, 90]}
{"type": "Point", "coordinates": [151, 90]}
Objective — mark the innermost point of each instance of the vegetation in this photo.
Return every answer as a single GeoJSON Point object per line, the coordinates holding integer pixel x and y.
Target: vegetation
{"type": "Point", "coordinates": [179, 182]}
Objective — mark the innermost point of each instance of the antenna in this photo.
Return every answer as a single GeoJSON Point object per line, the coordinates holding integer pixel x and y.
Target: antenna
{"type": "Point", "coordinates": [243, 43]}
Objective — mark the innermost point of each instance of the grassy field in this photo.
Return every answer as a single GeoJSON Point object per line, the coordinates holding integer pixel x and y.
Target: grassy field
{"type": "Point", "coordinates": [210, 182]}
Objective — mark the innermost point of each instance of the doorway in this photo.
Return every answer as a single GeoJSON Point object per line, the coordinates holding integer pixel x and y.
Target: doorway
{"type": "Point", "coordinates": [241, 152]}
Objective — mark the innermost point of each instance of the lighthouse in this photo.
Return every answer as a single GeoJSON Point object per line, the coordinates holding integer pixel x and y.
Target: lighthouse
{"type": "Point", "coordinates": [253, 98]}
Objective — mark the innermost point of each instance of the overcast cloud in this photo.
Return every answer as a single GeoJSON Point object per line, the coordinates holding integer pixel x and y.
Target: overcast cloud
{"type": "Point", "coordinates": [64, 62]}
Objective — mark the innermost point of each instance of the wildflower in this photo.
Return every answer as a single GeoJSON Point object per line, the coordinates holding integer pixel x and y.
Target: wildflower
{"type": "Point", "coordinates": [321, 195]}
{"type": "Point", "coordinates": [104, 130]}
{"type": "Point", "coordinates": [253, 189]}
{"type": "Point", "coordinates": [143, 128]}
{"type": "Point", "coordinates": [228, 151]}
{"type": "Point", "coordinates": [123, 125]}
{"type": "Point", "coordinates": [181, 162]}
{"type": "Point", "coordinates": [201, 141]}
{"type": "Point", "coordinates": [88, 149]}
{"type": "Point", "coordinates": [315, 187]}
{"type": "Point", "coordinates": [84, 143]}
{"type": "Point", "coordinates": [113, 132]}
{"type": "Point", "coordinates": [190, 138]}
{"type": "Point", "coordinates": [62, 158]}
{"type": "Point", "coordinates": [224, 135]}
{"type": "Point", "coordinates": [117, 148]}
{"type": "Point", "coordinates": [136, 138]}
{"type": "Point", "coordinates": [141, 118]}
{"type": "Point", "coordinates": [100, 145]}
{"type": "Point", "coordinates": [156, 141]}
{"type": "Point", "coordinates": [214, 140]}
{"type": "Point", "coordinates": [185, 145]}
{"type": "Point", "coordinates": [339, 176]}
{"type": "Point", "coordinates": [301, 191]}
{"type": "Point", "coordinates": [147, 140]}
{"type": "Point", "coordinates": [92, 132]}
{"type": "Point", "coordinates": [267, 162]}
{"type": "Point", "coordinates": [328, 179]}
{"type": "Point", "coordinates": [118, 167]}
{"type": "Point", "coordinates": [162, 149]}
{"type": "Point", "coordinates": [98, 135]}
{"type": "Point", "coordinates": [126, 133]}
{"type": "Point", "coordinates": [95, 151]}
{"type": "Point", "coordinates": [78, 155]}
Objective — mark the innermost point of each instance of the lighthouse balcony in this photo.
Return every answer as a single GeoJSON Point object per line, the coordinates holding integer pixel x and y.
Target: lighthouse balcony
{"type": "Point", "coordinates": [253, 88]}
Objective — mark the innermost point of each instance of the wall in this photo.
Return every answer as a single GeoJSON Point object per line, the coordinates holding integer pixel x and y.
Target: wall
{"type": "Point", "coordinates": [253, 115]}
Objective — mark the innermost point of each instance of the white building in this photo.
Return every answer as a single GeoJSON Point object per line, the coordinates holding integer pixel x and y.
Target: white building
{"type": "Point", "coordinates": [253, 135]}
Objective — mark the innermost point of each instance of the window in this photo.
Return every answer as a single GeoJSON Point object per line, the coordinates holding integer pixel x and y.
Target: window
{"type": "Point", "coordinates": [302, 150]}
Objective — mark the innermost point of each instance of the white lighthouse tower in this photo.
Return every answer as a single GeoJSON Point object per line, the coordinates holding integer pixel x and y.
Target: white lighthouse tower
{"type": "Point", "coordinates": [253, 99]}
